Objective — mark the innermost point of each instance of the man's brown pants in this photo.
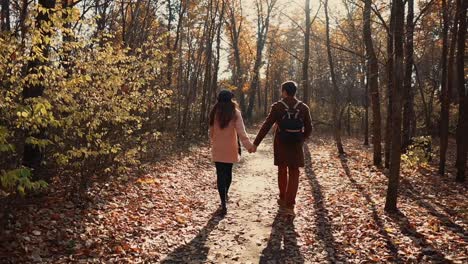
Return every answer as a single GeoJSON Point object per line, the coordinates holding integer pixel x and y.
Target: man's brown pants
{"type": "Point", "coordinates": [288, 185]}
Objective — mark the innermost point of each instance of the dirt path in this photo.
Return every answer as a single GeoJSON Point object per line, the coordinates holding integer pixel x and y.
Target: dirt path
{"type": "Point", "coordinates": [252, 231]}
{"type": "Point", "coordinates": [339, 215]}
{"type": "Point", "coordinates": [165, 215]}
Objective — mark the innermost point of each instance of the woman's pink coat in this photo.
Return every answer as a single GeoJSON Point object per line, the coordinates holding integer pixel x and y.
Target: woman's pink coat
{"type": "Point", "coordinates": [224, 146]}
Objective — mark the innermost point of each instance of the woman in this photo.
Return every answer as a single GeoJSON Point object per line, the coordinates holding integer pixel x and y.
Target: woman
{"type": "Point", "coordinates": [226, 126]}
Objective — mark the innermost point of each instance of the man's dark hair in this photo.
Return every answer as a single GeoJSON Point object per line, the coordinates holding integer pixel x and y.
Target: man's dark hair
{"type": "Point", "coordinates": [290, 87]}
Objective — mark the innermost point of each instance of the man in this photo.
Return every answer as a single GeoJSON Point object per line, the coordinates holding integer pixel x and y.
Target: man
{"type": "Point", "coordinates": [293, 127]}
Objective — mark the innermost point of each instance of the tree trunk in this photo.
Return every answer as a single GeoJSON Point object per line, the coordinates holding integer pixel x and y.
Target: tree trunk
{"type": "Point", "coordinates": [214, 85]}
{"type": "Point", "coordinates": [5, 24]}
{"type": "Point", "coordinates": [170, 55]}
{"type": "Point", "coordinates": [267, 80]}
{"type": "Point", "coordinates": [207, 81]}
{"type": "Point", "coordinates": [33, 155]}
{"type": "Point", "coordinates": [335, 92]}
{"type": "Point", "coordinates": [305, 63]}
{"type": "Point", "coordinates": [366, 110]}
{"type": "Point", "coordinates": [255, 84]}
{"type": "Point", "coordinates": [389, 118]}
{"type": "Point", "coordinates": [22, 20]}
{"type": "Point", "coordinates": [172, 46]}
{"type": "Point", "coordinates": [373, 83]}
{"type": "Point", "coordinates": [263, 24]}
{"type": "Point", "coordinates": [445, 103]}
{"type": "Point", "coordinates": [235, 31]}
{"type": "Point", "coordinates": [462, 128]}
{"type": "Point", "coordinates": [408, 93]}
{"type": "Point", "coordinates": [348, 110]}
{"type": "Point", "coordinates": [395, 155]}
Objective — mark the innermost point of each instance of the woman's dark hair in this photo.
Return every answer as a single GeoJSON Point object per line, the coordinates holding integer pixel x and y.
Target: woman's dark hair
{"type": "Point", "coordinates": [290, 87]}
{"type": "Point", "coordinates": [224, 110]}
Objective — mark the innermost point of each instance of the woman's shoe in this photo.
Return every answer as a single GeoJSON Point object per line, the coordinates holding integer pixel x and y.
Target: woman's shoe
{"type": "Point", "coordinates": [223, 211]}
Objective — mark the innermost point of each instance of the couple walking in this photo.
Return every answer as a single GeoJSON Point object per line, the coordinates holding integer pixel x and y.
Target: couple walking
{"type": "Point", "coordinates": [293, 126]}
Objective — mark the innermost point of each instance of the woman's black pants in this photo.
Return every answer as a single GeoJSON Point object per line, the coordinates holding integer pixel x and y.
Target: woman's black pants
{"type": "Point", "coordinates": [224, 179]}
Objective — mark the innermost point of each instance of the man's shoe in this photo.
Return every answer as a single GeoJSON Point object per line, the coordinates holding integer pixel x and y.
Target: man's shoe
{"type": "Point", "coordinates": [289, 211]}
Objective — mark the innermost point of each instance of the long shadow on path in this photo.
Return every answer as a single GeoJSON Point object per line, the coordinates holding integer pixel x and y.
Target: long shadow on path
{"type": "Point", "coordinates": [196, 250]}
{"type": "Point", "coordinates": [375, 216]}
{"type": "Point", "coordinates": [404, 224]}
{"type": "Point", "coordinates": [409, 191]}
{"type": "Point", "coordinates": [324, 228]}
{"type": "Point", "coordinates": [427, 250]}
{"type": "Point", "coordinates": [282, 230]}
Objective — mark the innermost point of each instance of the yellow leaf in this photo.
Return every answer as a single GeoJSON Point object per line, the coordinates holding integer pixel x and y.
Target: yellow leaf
{"type": "Point", "coordinates": [147, 181]}
{"type": "Point", "coordinates": [181, 220]}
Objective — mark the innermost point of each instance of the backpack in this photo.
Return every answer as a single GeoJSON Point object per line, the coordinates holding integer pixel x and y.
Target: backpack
{"type": "Point", "coordinates": [291, 126]}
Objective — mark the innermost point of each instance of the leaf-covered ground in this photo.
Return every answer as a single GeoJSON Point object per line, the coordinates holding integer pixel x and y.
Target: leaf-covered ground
{"type": "Point", "coordinates": [167, 216]}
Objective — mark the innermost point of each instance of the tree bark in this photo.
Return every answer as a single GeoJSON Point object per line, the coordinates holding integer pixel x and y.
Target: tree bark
{"type": "Point", "coordinates": [462, 128]}
{"type": "Point", "coordinates": [389, 118]}
{"type": "Point", "coordinates": [267, 79]}
{"type": "Point", "coordinates": [172, 46]}
{"type": "Point", "coordinates": [5, 24]}
{"type": "Point", "coordinates": [22, 20]}
{"type": "Point", "coordinates": [335, 90]}
{"type": "Point", "coordinates": [235, 31]}
{"type": "Point", "coordinates": [408, 92]}
{"type": "Point", "coordinates": [395, 155]}
{"type": "Point", "coordinates": [214, 85]}
{"type": "Point", "coordinates": [366, 110]}
{"type": "Point", "coordinates": [263, 24]}
{"type": "Point", "coordinates": [373, 80]}
{"type": "Point", "coordinates": [445, 101]}
{"type": "Point", "coordinates": [305, 63]}
{"type": "Point", "coordinates": [208, 73]}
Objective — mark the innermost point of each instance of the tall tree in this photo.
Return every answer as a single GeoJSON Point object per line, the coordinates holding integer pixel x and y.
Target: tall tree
{"type": "Point", "coordinates": [235, 23]}
{"type": "Point", "coordinates": [172, 43]}
{"type": "Point", "coordinates": [214, 85]}
{"type": "Point", "coordinates": [373, 79]}
{"type": "Point", "coordinates": [305, 63]}
{"type": "Point", "coordinates": [335, 90]}
{"type": "Point", "coordinates": [398, 15]}
{"type": "Point", "coordinates": [444, 98]}
{"type": "Point", "coordinates": [408, 92]}
{"type": "Point", "coordinates": [389, 79]}
{"type": "Point", "coordinates": [462, 128]}
{"type": "Point", "coordinates": [5, 16]}
{"type": "Point", "coordinates": [264, 10]}
{"type": "Point", "coordinates": [267, 79]}
{"type": "Point", "coordinates": [102, 12]}
{"type": "Point", "coordinates": [366, 108]}
{"type": "Point", "coordinates": [32, 155]}
{"type": "Point", "coordinates": [210, 27]}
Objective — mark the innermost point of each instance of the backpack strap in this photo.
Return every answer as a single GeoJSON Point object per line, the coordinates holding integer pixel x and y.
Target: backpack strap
{"type": "Point", "coordinates": [297, 104]}
{"type": "Point", "coordinates": [295, 108]}
{"type": "Point", "coordinates": [287, 108]}
{"type": "Point", "coordinates": [285, 104]}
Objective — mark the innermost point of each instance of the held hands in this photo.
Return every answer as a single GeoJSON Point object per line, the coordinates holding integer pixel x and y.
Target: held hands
{"type": "Point", "coordinates": [252, 149]}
